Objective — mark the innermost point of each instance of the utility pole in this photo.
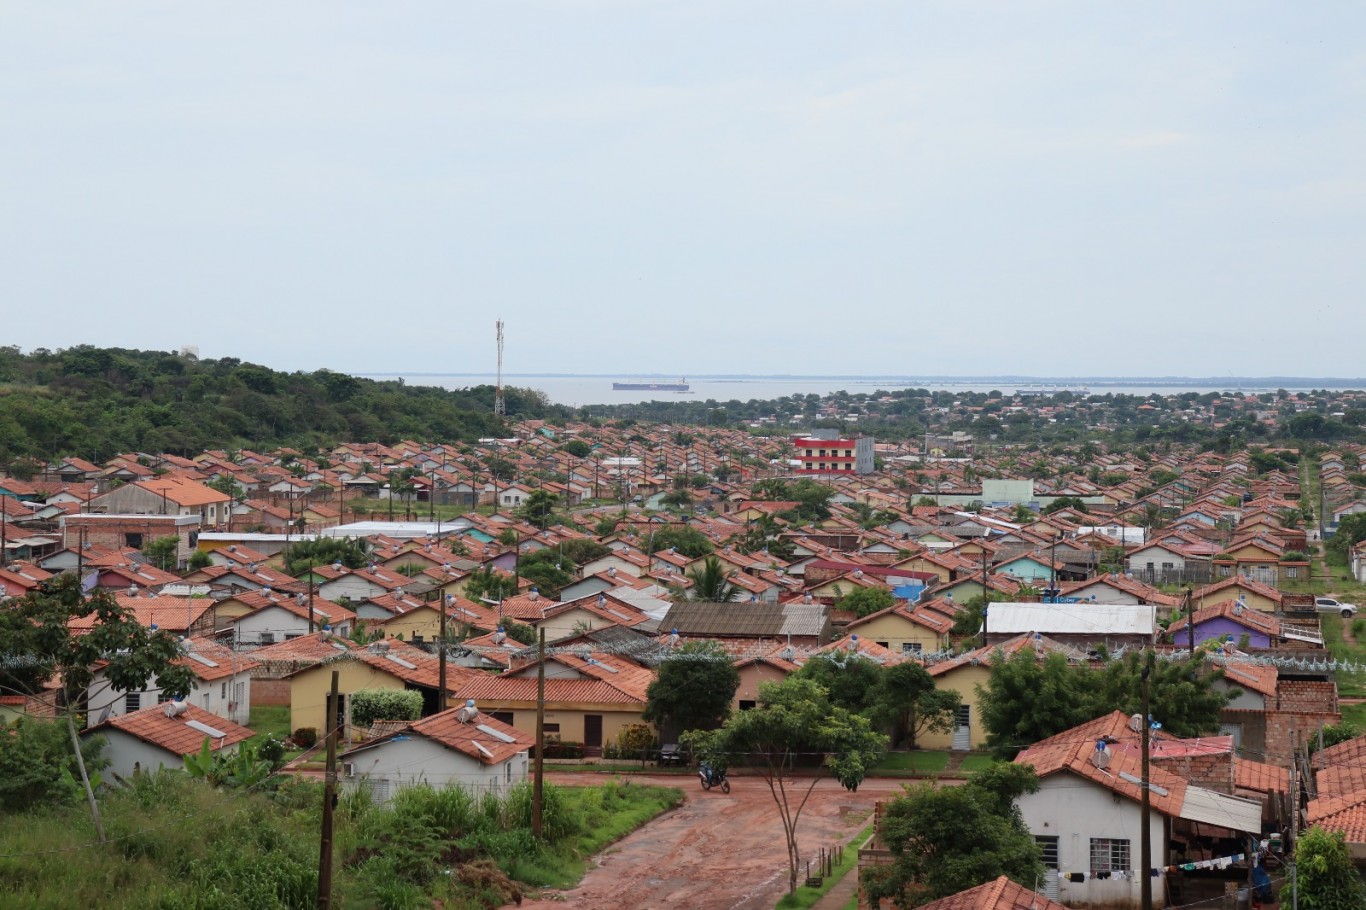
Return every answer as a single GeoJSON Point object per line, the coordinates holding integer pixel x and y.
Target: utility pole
{"type": "Point", "coordinates": [441, 657]}
{"type": "Point", "coordinates": [1145, 861]}
{"type": "Point", "coordinates": [310, 596]}
{"type": "Point", "coordinates": [1190, 625]}
{"type": "Point", "coordinates": [538, 784]}
{"type": "Point", "coordinates": [329, 799]}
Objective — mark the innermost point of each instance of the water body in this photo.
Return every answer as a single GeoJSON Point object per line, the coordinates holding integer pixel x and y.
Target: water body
{"type": "Point", "coordinates": [585, 390]}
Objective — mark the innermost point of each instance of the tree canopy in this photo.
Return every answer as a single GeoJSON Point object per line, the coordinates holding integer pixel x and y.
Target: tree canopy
{"type": "Point", "coordinates": [948, 839]}
{"type": "Point", "coordinates": [693, 688]}
{"type": "Point", "coordinates": [865, 601]}
{"type": "Point", "coordinates": [794, 722]}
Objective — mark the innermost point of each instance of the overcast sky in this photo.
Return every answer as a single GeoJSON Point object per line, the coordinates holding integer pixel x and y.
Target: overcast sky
{"type": "Point", "coordinates": [1068, 188]}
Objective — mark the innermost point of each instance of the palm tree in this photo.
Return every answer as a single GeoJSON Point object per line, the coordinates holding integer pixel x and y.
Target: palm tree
{"type": "Point", "coordinates": [711, 582]}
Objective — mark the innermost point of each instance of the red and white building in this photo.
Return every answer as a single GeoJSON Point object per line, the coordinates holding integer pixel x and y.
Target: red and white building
{"type": "Point", "coordinates": [826, 452]}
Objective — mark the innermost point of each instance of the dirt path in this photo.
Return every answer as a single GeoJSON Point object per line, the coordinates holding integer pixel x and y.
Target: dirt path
{"type": "Point", "coordinates": [715, 852]}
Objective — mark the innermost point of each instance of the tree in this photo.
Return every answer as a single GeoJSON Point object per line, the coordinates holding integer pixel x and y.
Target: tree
{"type": "Point", "coordinates": [850, 680]}
{"type": "Point", "coordinates": [38, 767]}
{"type": "Point", "coordinates": [351, 552]}
{"type": "Point", "coordinates": [547, 570]}
{"type": "Point", "coordinates": [711, 582]}
{"type": "Point", "coordinates": [907, 702]}
{"type": "Point", "coordinates": [691, 542]}
{"type": "Point", "coordinates": [693, 688]}
{"type": "Point", "coordinates": [677, 499]}
{"type": "Point", "coordinates": [539, 508]}
{"type": "Point", "coordinates": [793, 719]}
{"type": "Point", "coordinates": [519, 632]}
{"type": "Point", "coordinates": [576, 447]}
{"type": "Point", "coordinates": [865, 601]}
{"type": "Point", "coordinates": [371, 705]}
{"type": "Point", "coordinates": [486, 583]}
{"type": "Point", "coordinates": [163, 552]}
{"type": "Point", "coordinates": [199, 560]}
{"type": "Point", "coordinates": [949, 839]}
{"type": "Point", "coordinates": [1064, 502]}
{"type": "Point", "coordinates": [1327, 879]}
{"type": "Point", "coordinates": [38, 626]}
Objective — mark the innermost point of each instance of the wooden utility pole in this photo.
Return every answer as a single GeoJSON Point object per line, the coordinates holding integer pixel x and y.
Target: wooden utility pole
{"type": "Point", "coordinates": [1145, 862]}
{"type": "Point", "coordinates": [1186, 607]}
{"type": "Point", "coordinates": [538, 783]}
{"type": "Point", "coordinates": [443, 699]}
{"type": "Point", "coordinates": [329, 798]}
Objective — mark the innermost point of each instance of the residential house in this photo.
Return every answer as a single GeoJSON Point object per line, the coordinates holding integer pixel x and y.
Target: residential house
{"type": "Point", "coordinates": [458, 747]}
{"type": "Point", "coordinates": [1085, 626]}
{"type": "Point", "coordinates": [166, 495]}
{"type": "Point", "coordinates": [1234, 621]}
{"type": "Point", "coordinates": [222, 685]}
{"type": "Point", "coordinates": [160, 736]}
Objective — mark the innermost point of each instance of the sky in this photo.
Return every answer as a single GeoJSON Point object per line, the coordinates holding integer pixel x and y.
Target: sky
{"type": "Point", "coordinates": [851, 187]}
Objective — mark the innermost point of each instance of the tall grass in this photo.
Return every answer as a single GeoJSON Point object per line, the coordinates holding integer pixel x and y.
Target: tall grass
{"type": "Point", "coordinates": [178, 844]}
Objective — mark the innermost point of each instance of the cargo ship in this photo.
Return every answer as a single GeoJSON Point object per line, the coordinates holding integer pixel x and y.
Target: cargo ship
{"type": "Point", "coordinates": [680, 386]}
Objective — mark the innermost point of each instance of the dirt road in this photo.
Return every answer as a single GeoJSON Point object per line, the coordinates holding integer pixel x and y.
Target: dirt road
{"type": "Point", "coordinates": [715, 852]}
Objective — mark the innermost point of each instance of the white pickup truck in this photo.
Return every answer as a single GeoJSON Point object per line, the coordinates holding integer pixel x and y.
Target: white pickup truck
{"type": "Point", "coordinates": [1332, 605]}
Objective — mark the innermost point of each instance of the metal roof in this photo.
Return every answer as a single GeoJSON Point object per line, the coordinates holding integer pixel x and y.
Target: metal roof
{"type": "Point", "coordinates": [1071, 619]}
{"type": "Point", "coordinates": [749, 620]}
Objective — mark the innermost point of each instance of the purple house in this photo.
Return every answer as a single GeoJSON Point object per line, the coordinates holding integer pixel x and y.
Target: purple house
{"type": "Point", "coordinates": [1232, 619]}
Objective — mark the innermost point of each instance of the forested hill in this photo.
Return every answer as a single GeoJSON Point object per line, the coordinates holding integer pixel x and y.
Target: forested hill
{"type": "Point", "coordinates": [97, 402]}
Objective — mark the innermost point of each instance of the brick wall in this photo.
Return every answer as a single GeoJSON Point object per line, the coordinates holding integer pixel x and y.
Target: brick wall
{"type": "Point", "coordinates": [1213, 772]}
{"type": "Point", "coordinates": [269, 691]}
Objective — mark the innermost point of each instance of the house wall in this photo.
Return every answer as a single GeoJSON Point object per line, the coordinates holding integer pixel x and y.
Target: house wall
{"type": "Point", "coordinates": [1221, 627]}
{"type": "Point", "coordinates": [283, 624]}
{"type": "Point", "coordinates": [350, 586]}
{"type": "Point", "coordinates": [308, 690]}
{"type": "Point", "coordinates": [751, 675]}
{"type": "Point", "coordinates": [569, 718]}
{"type": "Point", "coordinates": [229, 697]}
{"type": "Point", "coordinates": [897, 632]}
{"type": "Point", "coordinates": [423, 622]}
{"type": "Point", "coordinates": [417, 760]}
{"type": "Point", "coordinates": [126, 752]}
{"type": "Point", "coordinates": [964, 680]}
{"type": "Point", "coordinates": [1074, 810]}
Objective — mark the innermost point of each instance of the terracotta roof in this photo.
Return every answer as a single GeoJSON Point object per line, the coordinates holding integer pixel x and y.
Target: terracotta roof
{"type": "Point", "coordinates": [447, 729]}
{"type": "Point", "coordinates": [213, 661]}
{"type": "Point", "coordinates": [500, 690]}
{"type": "Point", "coordinates": [987, 655]}
{"type": "Point", "coordinates": [169, 614]}
{"type": "Point", "coordinates": [174, 734]}
{"type": "Point", "coordinates": [182, 492]}
{"type": "Point", "coordinates": [1252, 775]}
{"type": "Point", "coordinates": [1348, 752]}
{"type": "Point", "coordinates": [1002, 894]}
{"type": "Point", "coordinates": [306, 650]}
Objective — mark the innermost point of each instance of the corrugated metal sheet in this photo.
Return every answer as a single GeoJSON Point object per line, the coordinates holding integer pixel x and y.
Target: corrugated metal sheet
{"type": "Point", "coordinates": [1071, 619]}
{"type": "Point", "coordinates": [1230, 812]}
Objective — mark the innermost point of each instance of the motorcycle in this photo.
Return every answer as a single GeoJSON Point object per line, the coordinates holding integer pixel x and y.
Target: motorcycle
{"type": "Point", "coordinates": [713, 778]}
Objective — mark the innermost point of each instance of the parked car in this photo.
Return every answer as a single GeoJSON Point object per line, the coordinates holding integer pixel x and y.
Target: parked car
{"type": "Point", "coordinates": [672, 754]}
{"type": "Point", "coordinates": [1332, 605]}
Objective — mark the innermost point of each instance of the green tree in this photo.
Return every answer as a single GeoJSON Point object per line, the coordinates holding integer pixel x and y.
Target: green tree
{"type": "Point", "coordinates": [37, 766]}
{"type": "Point", "coordinates": [850, 680]}
{"type": "Point", "coordinates": [793, 720]}
{"type": "Point", "coordinates": [691, 542]}
{"type": "Point", "coordinates": [163, 552]}
{"type": "Point", "coordinates": [38, 626]}
{"type": "Point", "coordinates": [906, 702]}
{"type": "Point", "coordinates": [1064, 502]}
{"type": "Point", "coordinates": [547, 570]}
{"type": "Point", "coordinates": [539, 509]}
{"type": "Point", "coordinates": [371, 705]}
{"type": "Point", "coordinates": [488, 584]}
{"type": "Point", "coordinates": [576, 447]}
{"type": "Point", "coordinates": [351, 552]}
{"type": "Point", "coordinates": [949, 839]}
{"type": "Point", "coordinates": [865, 601]}
{"type": "Point", "coordinates": [692, 688]}
{"type": "Point", "coordinates": [1327, 878]}
{"type": "Point", "coordinates": [1027, 699]}
{"type": "Point", "coordinates": [711, 582]}
{"type": "Point", "coordinates": [677, 499]}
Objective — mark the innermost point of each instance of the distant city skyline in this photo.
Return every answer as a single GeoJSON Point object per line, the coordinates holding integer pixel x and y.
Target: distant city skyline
{"type": "Point", "coordinates": [877, 188]}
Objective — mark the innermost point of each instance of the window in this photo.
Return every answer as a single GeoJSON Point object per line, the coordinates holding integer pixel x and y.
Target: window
{"type": "Point", "coordinates": [132, 540]}
{"type": "Point", "coordinates": [162, 698]}
{"type": "Point", "coordinates": [911, 647]}
{"type": "Point", "coordinates": [1292, 572]}
{"type": "Point", "coordinates": [132, 701]}
{"type": "Point", "coordinates": [883, 644]}
{"type": "Point", "coordinates": [1109, 854]}
{"type": "Point", "coordinates": [550, 729]}
{"type": "Point", "coordinates": [748, 704]}
{"type": "Point", "coordinates": [224, 691]}
{"type": "Point", "coordinates": [506, 717]}
{"type": "Point", "coordinates": [1048, 846]}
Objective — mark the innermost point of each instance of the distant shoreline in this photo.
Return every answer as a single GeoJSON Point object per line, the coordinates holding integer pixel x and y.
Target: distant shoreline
{"type": "Point", "coordinates": [1260, 382]}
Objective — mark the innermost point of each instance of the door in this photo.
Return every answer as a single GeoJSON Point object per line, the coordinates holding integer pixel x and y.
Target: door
{"type": "Point", "coordinates": [592, 734]}
{"type": "Point", "coordinates": [962, 728]}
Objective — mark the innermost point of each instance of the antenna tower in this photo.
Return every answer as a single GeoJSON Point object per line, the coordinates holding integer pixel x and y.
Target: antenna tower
{"type": "Point", "coordinates": [500, 407]}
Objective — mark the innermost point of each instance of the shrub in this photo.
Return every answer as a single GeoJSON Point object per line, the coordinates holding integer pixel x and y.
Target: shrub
{"type": "Point", "coordinates": [370, 705]}
{"type": "Point", "coordinates": [305, 737]}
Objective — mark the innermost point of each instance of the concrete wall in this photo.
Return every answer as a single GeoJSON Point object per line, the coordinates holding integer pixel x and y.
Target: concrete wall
{"type": "Point", "coordinates": [417, 760]}
{"type": "Point", "coordinates": [229, 697]}
{"type": "Point", "coordinates": [1075, 810]}
{"type": "Point", "coordinates": [126, 752]}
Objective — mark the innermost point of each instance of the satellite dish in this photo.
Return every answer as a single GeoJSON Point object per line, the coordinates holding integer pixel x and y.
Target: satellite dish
{"type": "Point", "coordinates": [1136, 723]}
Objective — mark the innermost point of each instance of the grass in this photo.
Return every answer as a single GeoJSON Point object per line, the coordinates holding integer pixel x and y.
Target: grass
{"type": "Point", "coordinates": [917, 761]}
{"type": "Point", "coordinates": [1350, 685]}
{"type": "Point", "coordinates": [606, 815]}
{"type": "Point", "coordinates": [805, 897]}
{"type": "Point", "coordinates": [976, 762]}
{"type": "Point", "coordinates": [1355, 714]}
{"type": "Point", "coordinates": [270, 720]}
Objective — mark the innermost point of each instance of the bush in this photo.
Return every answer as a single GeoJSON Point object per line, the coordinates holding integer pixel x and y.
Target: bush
{"type": "Point", "coordinates": [555, 748]}
{"type": "Point", "coordinates": [370, 705]}
{"type": "Point", "coordinates": [305, 737]}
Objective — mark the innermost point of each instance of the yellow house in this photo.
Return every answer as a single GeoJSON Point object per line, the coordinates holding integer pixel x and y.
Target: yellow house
{"type": "Point", "coordinates": [588, 614]}
{"type": "Point", "coordinates": [903, 630]}
{"type": "Point", "coordinates": [1256, 595]}
{"type": "Point", "coordinates": [923, 562]}
{"type": "Point", "coordinates": [757, 670]}
{"type": "Point", "coordinates": [844, 584]}
{"type": "Point", "coordinates": [964, 674]}
{"type": "Point", "coordinates": [423, 623]}
{"type": "Point", "coordinates": [581, 710]}
{"type": "Point", "coordinates": [383, 665]}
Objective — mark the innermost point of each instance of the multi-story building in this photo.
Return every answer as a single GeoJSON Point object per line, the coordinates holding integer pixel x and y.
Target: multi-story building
{"type": "Point", "coordinates": [826, 452]}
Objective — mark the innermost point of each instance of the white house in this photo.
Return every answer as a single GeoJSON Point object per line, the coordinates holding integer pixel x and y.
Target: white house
{"type": "Point", "coordinates": [162, 735]}
{"type": "Point", "coordinates": [462, 746]}
{"type": "Point", "coordinates": [222, 685]}
{"type": "Point", "coordinates": [1087, 819]}
{"type": "Point", "coordinates": [288, 619]}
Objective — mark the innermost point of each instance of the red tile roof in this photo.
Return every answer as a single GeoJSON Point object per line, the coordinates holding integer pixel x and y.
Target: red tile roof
{"type": "Point", "coordinates": [174, 734]}
{"type": "Point", "coordinates": [1001, 894]}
